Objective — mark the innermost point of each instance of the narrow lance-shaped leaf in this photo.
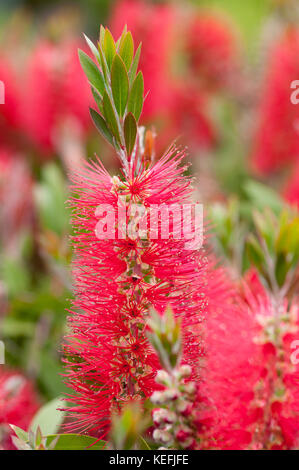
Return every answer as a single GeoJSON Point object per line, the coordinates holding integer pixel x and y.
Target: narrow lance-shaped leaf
{"type": "Point", "coordinates": [110, 117]}
{"type": "Point", "coordinates": [100, 124]}
{"type": "Point", "coordinates": [102, 35]}
{"type": "Point", "coordinates": [109, 47]}
{"type": "Point", "coordinates": [98, 99]}
{"type": "Point", "coordinates": [134, 66]}
{"type": "Point", "coordinates": [104, 64]}
{"type": "Point", "coordinates": [126, 49]}
{"type": "Point", "coordinates": [130, 130]}
{"type": "Point", "coordinates": [123, 34]}
{"type": "Point", "coordinates": [92, 72]}
{"type": "Point", "coordinates": [135, 102]}
{"type": "Point", "coordinates": [93, 48]}
{"type": "Point", "coordinates": [119, 84]}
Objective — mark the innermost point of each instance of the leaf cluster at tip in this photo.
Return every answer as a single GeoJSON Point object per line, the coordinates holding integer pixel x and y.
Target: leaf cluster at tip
{"type": "Point", "coordinates": [117, 87]}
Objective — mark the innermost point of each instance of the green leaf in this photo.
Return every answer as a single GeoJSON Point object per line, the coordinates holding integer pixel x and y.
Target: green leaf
{"type": "Point", "coordinates": [104, 65]}
{"type": "Point", "coordinates": [110, 116]}
{"type": "Point", "coordinates": [134, 65]}
{"type": "Point", "coordinates": [130, 130]}
{"type": "Point", "coordinates": [109, 47]}
{"type": "Point", "coordinates": [126, 49]}
{"type": "Point", "coordinates": [121, 38]}
{"type": "Point", "coordinates": [93, 48]}
{"type": "Point", "coordinates": [100, 124]}
{"type": "Point", "coordinates": [119, 84]}
{"type": "Point", "coordinates": [21, 434]}
{"type": "Point", "coordinates": [135, 102]}
{"type": "Point", "coordinates": [75, 442]}
{"type": "Point", "coordinates": [98, 99]}
{"type": "Point", "coordinates": [102, 35]}
{"type": "Point", "coordinates": [262, 196]}
{"type": "Point", "coordinates": [92, 72]}
{"type": "Point", "coordinates": [49, 418]}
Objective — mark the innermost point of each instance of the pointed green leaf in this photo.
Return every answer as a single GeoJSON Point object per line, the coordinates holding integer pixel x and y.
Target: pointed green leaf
{"type": "Point", "coordinates": [121, 37]}
{"type": "Point", "coordinates": [126, 49]}
{"type": "Point", "coordinates": [21, 434]}
{"type": "Point", "coordinates": [109, 47]}
{"type": "Point", "coordinates": [111, 118]}
{"type": "Point", "coordinates": [104, 65]}
{"type": "Point", "coordinates": [135, 102]}
{"type": "Point", "coordinates": [92, 72]}
{"type": "Point", "coordinates": [75, 442]}
{"type": "Point", "coordinates": [19, 444]}
{"type": "Point", "coordinates": [93, 48]}
{"type": "Point", "coordinates": [102, 35]}
{"type": "Point", "coordinates": [130, 130]}
{"type": "Point", "coordinates": [49, 418]}
{"type": "Point", "coordinates": [100, 124]}
{"type": "Point", "coordinates": [98, 99]}
{"type": "Point", "coordinates": [119, 84]}
{"type": "Point", "coordinates": [134, 66]}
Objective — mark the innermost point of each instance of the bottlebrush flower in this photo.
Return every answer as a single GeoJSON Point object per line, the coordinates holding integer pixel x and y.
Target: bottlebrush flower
{"type": "Point", "coordinates": [120, 275]}
{"type": "Point", "coordinates": [55, 91]}
{"type": "Point", "coordinates": [18, 404]}
{"type": "Point", "coordinates": [277, 140]}
{"type": "Point", "coordinates": [249, 376]}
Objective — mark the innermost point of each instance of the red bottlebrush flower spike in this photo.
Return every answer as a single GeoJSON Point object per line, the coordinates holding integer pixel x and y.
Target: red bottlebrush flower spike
{"type": "Point", "coordinates": [116, 283]}
{"type": "Point", "coordinates": [18, 404]}
{"type": "Point", "coordinates": [277, 141]}
{"type": "Point", "coordinates": [120, 272]}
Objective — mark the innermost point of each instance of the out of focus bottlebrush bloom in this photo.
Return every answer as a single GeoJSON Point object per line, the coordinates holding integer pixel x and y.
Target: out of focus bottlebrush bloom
{"type": "Point", "coordinates": [18, 404]}
{"type": "Point", "coordinates": [55, 91]}
{"type": "Point", "coordinates": [249, 374]}
{"type": "Point", "coordinates": [277, 140]}
{"type": "Point", "coordinates": [212, 51]}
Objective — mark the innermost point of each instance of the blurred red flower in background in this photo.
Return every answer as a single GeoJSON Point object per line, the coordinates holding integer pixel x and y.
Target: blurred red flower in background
{"type": "Point", "coordinates": [277, 139]}
{"type": "Point", "coordinates": [18, 404]}
{"type": "Point", "coordinates": [55, 90]}
{"type": "Point", "coordinates": [10, 110]}
{"type": "Point", "coordinates": [211, 47]}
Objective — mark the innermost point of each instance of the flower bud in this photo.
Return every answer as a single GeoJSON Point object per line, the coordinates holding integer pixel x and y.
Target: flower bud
{"type": "Point", "coordinates": [162, 377]}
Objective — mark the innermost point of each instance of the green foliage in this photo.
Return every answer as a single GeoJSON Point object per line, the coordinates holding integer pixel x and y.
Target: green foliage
{"type": "Point", "coordinates": [165, 337]}
{"type": "Point", "coordinates": [274, 249]}
{"type": "Point", "coordinates": [130, 130]}
{"type": "Point", "coordinates": [117, 90]}
{"type": "Point", "coordinates": [127, 427]}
